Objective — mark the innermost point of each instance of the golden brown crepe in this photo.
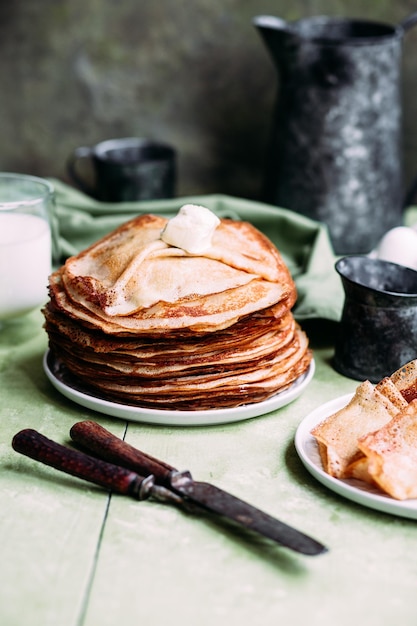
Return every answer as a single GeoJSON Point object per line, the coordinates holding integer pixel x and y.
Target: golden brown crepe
{"type": "Point", "coordinates": [338, 434]}
{"type": "Point", "coordinates": [133, 275]}
{"type": "Point", "coordinates": [391, 454]}
{"type": "Point", "coordinates": [138, 321]}
{"type": "Point", "coordinates": [405, 380]}
{"type": "Point", "coordinates": [387, 387]}
{"type": "Point", "coordinates": [374, 437]}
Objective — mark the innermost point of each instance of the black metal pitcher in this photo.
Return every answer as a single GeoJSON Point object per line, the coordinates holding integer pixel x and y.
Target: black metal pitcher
{"type": "Point", "coordinates": [336, 146]}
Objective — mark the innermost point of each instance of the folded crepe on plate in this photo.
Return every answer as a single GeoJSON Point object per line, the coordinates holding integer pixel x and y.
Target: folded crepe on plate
{"type": "Point", "coordinates": [374, 437]}
{"type": "Point", "coordinates": [405, 380]}
{"type": "Point", "coordinates": [391, 454]}
{"type": "Point", "coordinates": [189, 313]}
{"type": "Point", "coordinates": [337, 436]}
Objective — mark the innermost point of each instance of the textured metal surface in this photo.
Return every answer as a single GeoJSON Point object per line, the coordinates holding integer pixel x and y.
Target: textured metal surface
{"type": "Point", "coordinates": [336, 153]}
{"type": "Point", "coordinates": [378, 329]}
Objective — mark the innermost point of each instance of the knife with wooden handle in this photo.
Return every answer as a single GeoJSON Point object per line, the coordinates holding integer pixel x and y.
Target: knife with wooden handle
{"type": "Point", "coordinates": [100, 441]}
{"type": "Point", "coordinates": [113, 477]}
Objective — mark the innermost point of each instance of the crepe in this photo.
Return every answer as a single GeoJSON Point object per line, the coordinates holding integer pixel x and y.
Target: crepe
{"type": "Point", "coordinates": [136, 320]}
{"type": "Point", "coordinates": [387, 387]}
{"type": "Point", "coordinates": [338, 434]}
{"type": "Point", "coordinates": [149, 285]}
{"type": "Point", "coordinates": [374, 437]}
{"type": "Point", "coordinates": [405, 380]}
{"type": "Point", "coordinates": [391, 454]}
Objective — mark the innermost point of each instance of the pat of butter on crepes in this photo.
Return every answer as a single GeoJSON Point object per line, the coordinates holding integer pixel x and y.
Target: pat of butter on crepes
{"type": "Point", "coordinates": [192, 229]}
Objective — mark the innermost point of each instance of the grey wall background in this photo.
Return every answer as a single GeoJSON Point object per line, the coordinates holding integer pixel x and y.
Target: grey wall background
{"type": "Point", "coordinates": [194, 73]}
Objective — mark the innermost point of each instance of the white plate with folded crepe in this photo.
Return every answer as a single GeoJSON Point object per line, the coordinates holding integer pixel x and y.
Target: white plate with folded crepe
{"type": "Point", "coordinates": [352, 489]}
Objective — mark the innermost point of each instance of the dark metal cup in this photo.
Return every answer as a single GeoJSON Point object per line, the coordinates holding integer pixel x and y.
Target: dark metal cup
{"type": "Point", "coordinates": [125, 170]}
{"type": "Point", "coordinates": [378, 328]}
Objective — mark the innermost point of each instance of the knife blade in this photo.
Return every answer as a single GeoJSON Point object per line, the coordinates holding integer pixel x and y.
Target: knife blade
{"type": "Point", "coordinates": [100, 441]}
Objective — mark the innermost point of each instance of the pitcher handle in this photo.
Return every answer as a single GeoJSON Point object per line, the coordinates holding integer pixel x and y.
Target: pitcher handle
{"type": "Point", "coordinates": [410, 195]}
{"type": "Point", "coordinates": [408, 22]}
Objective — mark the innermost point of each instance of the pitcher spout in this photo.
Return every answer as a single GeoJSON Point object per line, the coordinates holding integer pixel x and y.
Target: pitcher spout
{"type": "Point", "coordinates": [274, 32]}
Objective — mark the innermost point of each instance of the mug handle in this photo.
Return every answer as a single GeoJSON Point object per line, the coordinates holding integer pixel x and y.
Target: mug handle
{"type": "Point", "coordinates": [83, 152]}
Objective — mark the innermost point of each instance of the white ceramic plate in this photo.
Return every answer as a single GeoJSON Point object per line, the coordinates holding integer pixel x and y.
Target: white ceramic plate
{"type": "Point", "coordinates": [174, 418]}
{"type": "Point", "coordinates": [354, 490]}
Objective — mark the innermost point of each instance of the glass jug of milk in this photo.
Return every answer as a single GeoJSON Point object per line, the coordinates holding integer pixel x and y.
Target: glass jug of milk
{"type": "Point", "coordinates": [25, 243]}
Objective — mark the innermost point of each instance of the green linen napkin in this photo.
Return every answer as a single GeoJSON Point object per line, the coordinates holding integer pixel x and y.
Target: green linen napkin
{"type": "Point", "coordinates": [410, 216]}
{"type": "Point", "coordinates": [303, 243]}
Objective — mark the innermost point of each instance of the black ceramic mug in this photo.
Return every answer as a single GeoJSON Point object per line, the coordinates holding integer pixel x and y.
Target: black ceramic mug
{"type": "Point", "coordinates": [378, 328]}
{"type": "Point", "coordinates": [125, 170]}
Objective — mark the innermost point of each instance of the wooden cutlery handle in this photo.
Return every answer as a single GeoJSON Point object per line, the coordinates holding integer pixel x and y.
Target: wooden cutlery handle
{"type": "Point", "coordinates": [38, 447]}
{"type": "Point", "coordinates": [107, 446]}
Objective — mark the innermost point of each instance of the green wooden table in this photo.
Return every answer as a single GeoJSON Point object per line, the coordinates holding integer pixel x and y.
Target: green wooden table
{"type": "Point", "coordinates": [73, 555]}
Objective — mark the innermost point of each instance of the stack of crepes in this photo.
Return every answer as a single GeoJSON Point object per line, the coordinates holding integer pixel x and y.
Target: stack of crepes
{"type": "Point", "coordinates": [202, 322]}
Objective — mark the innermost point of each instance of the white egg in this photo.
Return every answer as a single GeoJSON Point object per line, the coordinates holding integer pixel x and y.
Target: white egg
{"type": "Point", "coordinates": [399, 245]}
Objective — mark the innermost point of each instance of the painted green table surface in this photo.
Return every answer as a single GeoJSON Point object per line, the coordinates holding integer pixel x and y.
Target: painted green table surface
{"type": "Point", "coordinates": [72, 555]}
